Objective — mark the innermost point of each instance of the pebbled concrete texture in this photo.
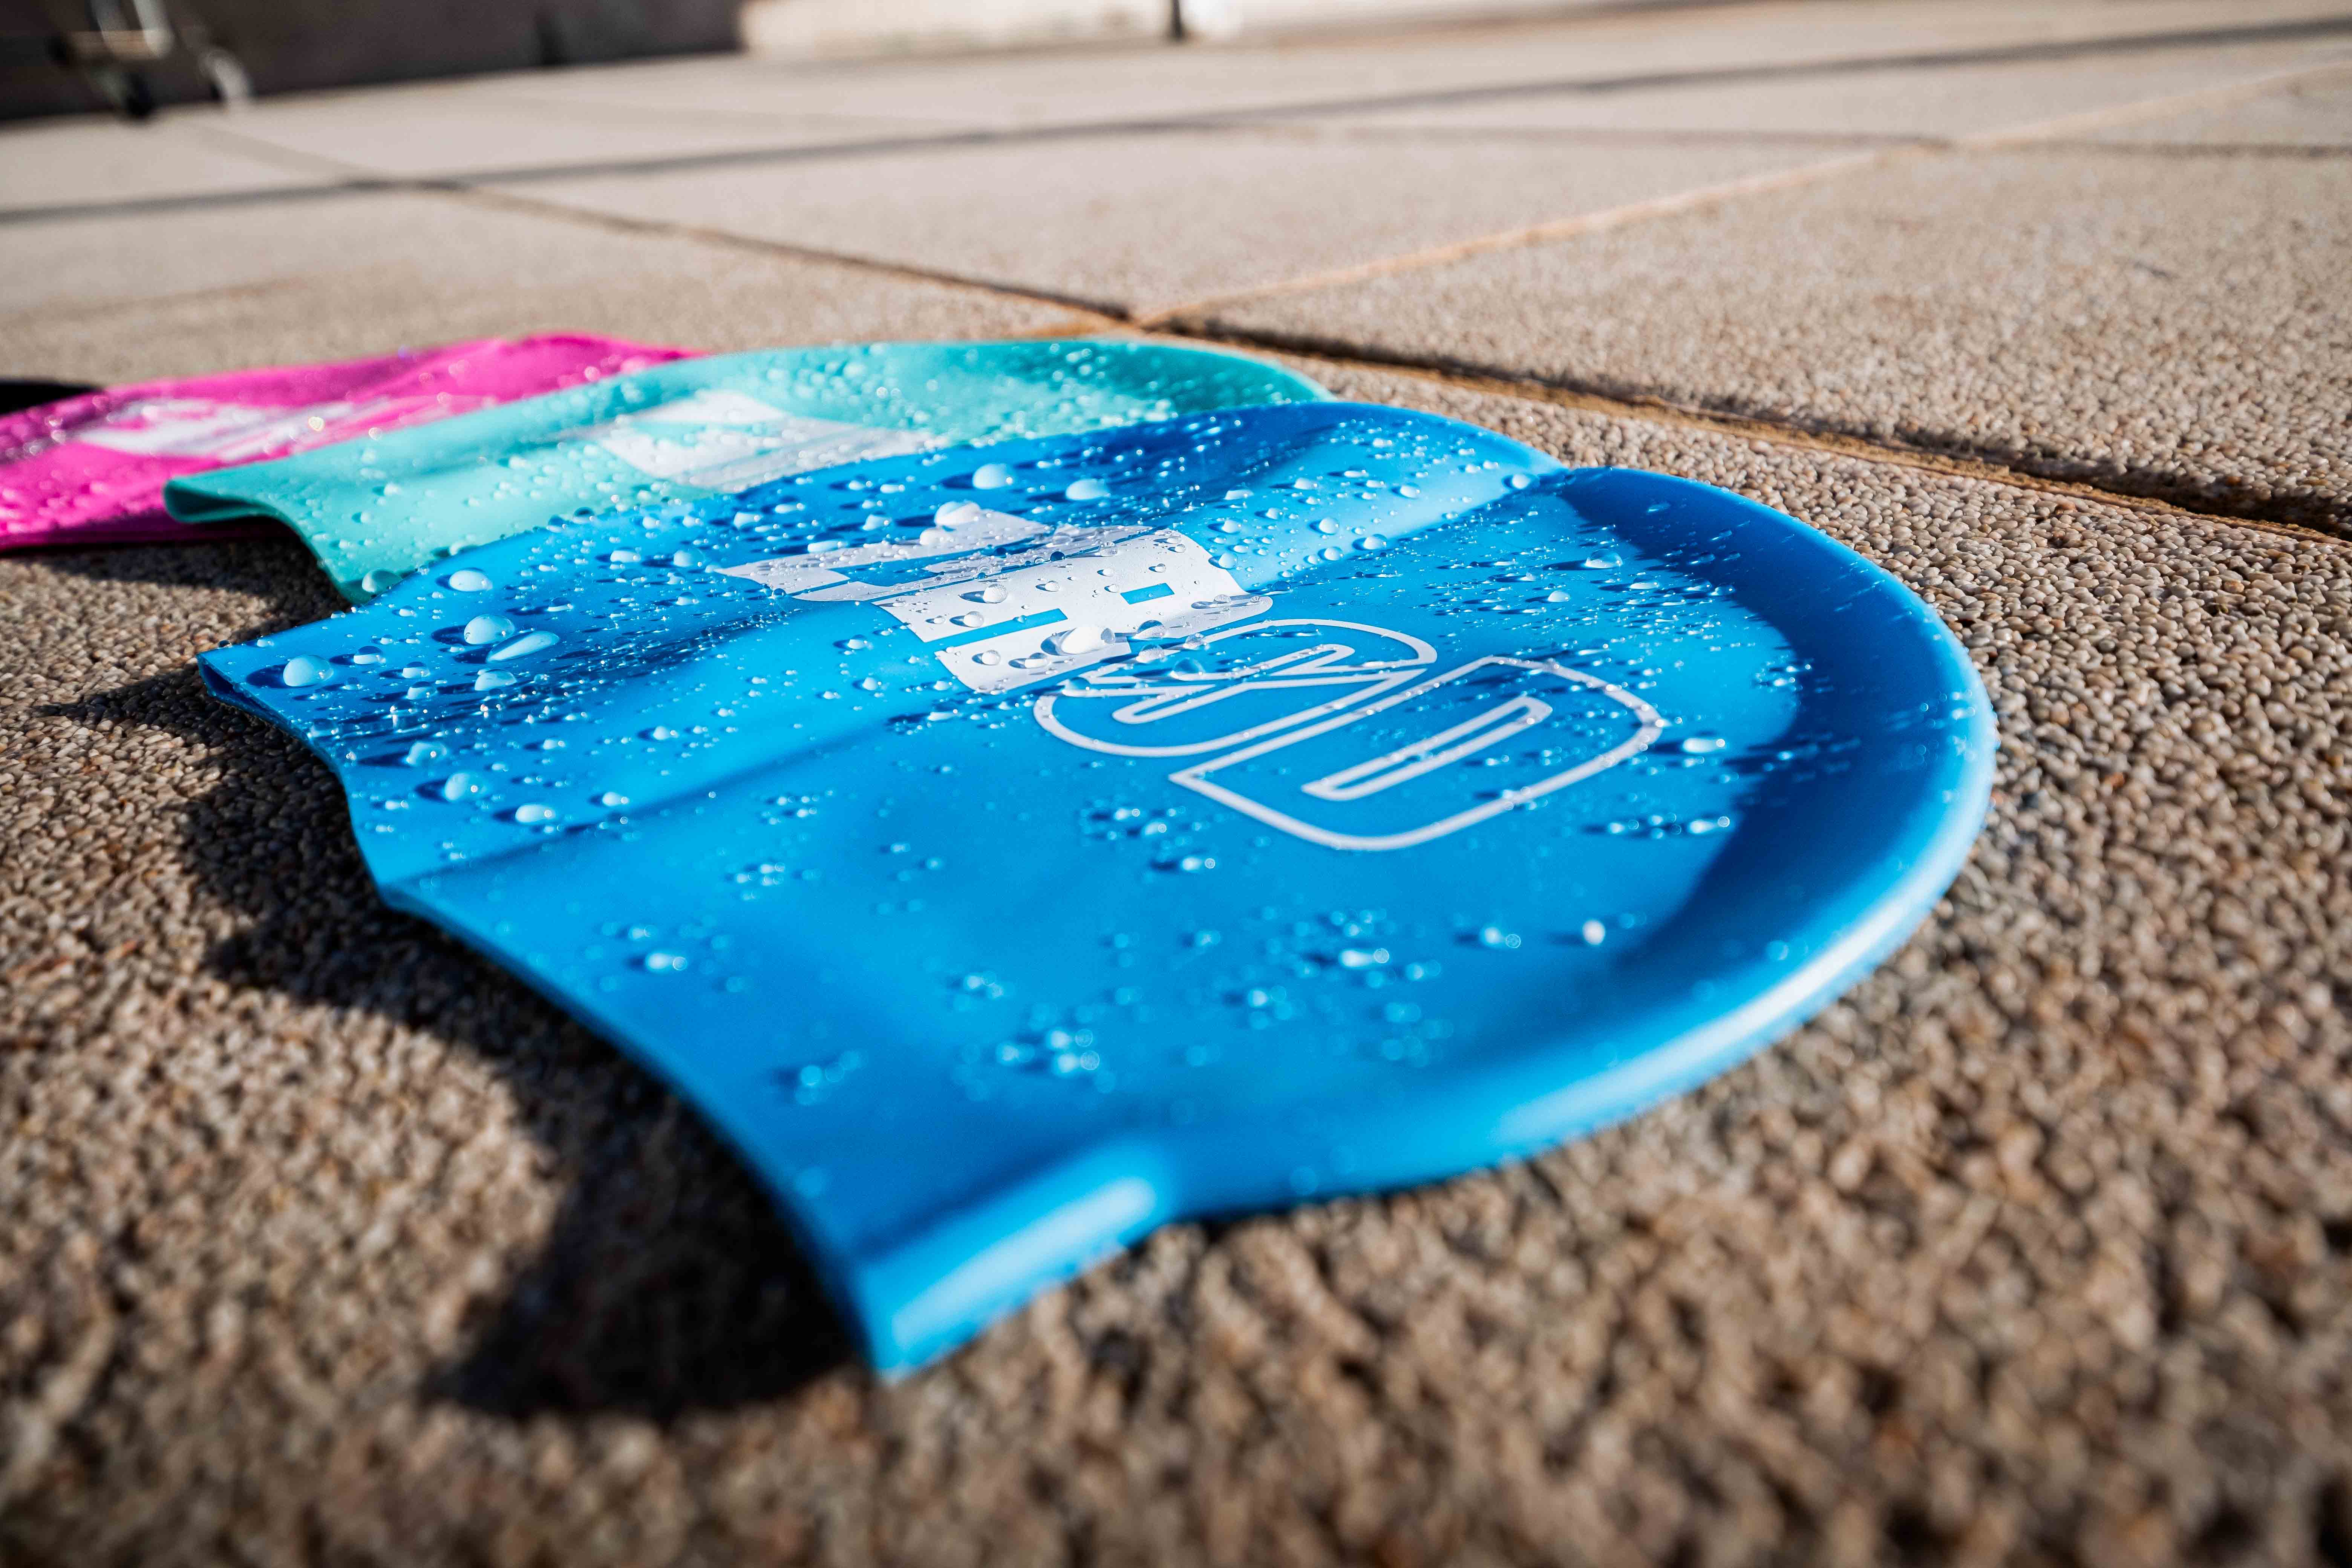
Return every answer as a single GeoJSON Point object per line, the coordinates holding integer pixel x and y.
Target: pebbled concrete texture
{"type": "Point", "coordinates": [2083, 315]}
{"type": "Point", "coordinates": [364, 274]}
{"type": "Point", "coordinates": [328, 1243]}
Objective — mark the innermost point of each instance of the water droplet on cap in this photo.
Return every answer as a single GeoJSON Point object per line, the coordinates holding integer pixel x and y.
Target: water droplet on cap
{"type": "Point", "coordinates": [991, 476]}
{"type": "Point", "coordinates": [530, 642]}
{"type": "Point", "coordinates": [1075, 639]}
{"type": "Point", "coordinates": [488, 628]}
{"type": "Point", "coordinates": [304, 670]}
{"type": "Point", "coordinates": [468, 581]}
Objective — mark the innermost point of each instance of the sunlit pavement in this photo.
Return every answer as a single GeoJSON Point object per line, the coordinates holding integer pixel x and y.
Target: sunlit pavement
{"type": "Point", "coordinates": [322, 1241]}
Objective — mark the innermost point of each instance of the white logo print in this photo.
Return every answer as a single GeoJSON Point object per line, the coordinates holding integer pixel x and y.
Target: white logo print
{"type": "Point", "coordinates": [722, 441]}
{"type": "Point", "coordinates": [1005, 602]}
{"type": "Point", "coordinates": [1339, 732]}
{"type": "Point", "coordinates": [230, 432]}
{"type": "Point", "coordinates": [1448, 748]}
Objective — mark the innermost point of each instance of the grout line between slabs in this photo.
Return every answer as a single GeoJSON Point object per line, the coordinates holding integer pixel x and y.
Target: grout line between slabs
{"type": "Point", "coordinates": [2036, 133]}
{"type": "Point", "coordinates": [1112, 313]}
{"type": "Point", "coordinates": [1779, 433]}
{"type": "Point", "coordinates": [979, 136]}
{"type": "Point", "coordinates": [1606, 136]}
{"type": "Point", "coordinates": [1093, 316]}
{"type": "Point", "coordinates": [1532, 234]}
{"type": "Point", "coordinates": [1092, 310]}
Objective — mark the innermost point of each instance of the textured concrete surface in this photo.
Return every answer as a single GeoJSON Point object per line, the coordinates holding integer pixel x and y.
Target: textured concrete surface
{"type": "Point", "coordinates": [321, 1242]}
{"type": "Point", "coordinates": [2315, 117]}
{"type": "Point", "coordinates": [1835, 103]}
{"type": "Point", "coordinates": [466, 134]}
{"type": "Point", "coordinates": [354, 274]}
{"type": "Point", "coordinates": [54, 164]}
{"type": "Point", "coordinates": [2081, 315]}
{"type": "Point", "coordinates": [329, 1243]}
{"type": "Point", "coordinates": [1621, 50]}
{"type": "Point", "coordinates": [1753, 67]}
{"type": "Point", "coordinates": [1145, 222]}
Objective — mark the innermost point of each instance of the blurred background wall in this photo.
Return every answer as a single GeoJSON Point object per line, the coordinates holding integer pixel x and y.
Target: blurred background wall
{"type": "Point", "coordinates": [292, 46]}
{"type": "Point", "coordinates": [289, 46]}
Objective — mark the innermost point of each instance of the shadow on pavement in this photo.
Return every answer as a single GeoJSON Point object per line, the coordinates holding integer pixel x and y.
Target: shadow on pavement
{"type": "Point", "coordinates": [262, 559]}
{"type": "Point", "coordinates": [667, 1282]}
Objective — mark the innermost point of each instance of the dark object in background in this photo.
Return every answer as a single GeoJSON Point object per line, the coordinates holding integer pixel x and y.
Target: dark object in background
{"type": "Point", "coordinates": [16, 395]}
{"type": "Point", "coordinates": [294, 45]}
{"type": "Point", "coordinates": [119, 52]}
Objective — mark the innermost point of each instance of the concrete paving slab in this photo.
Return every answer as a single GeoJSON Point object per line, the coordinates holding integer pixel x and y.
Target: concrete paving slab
{"type": "Point", "coordinates": [324, 1240]}
{"type": "Point", "coordinates": [2317, 115]}
{"type": "Point", "coordinates": [2088, 315]}
{"type": "Point", "coordinates": [1146, 221]}
{"type": "Point", "coordinates": [48, 163]}
{"type": "Point", "coordinates": [472, 133]}
{"type": "Point", "coordinates": [123, 299]}
{"type": "Point", "coordinates": [1835, 103]}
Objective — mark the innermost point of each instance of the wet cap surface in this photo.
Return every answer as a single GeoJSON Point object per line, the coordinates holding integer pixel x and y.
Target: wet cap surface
{"type": "Point", "coordinates": [92, 469]}
{"type": "Point", "coordinates": [377, 510]}
{"type": "Point", "coordinates": [1012, 849]}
